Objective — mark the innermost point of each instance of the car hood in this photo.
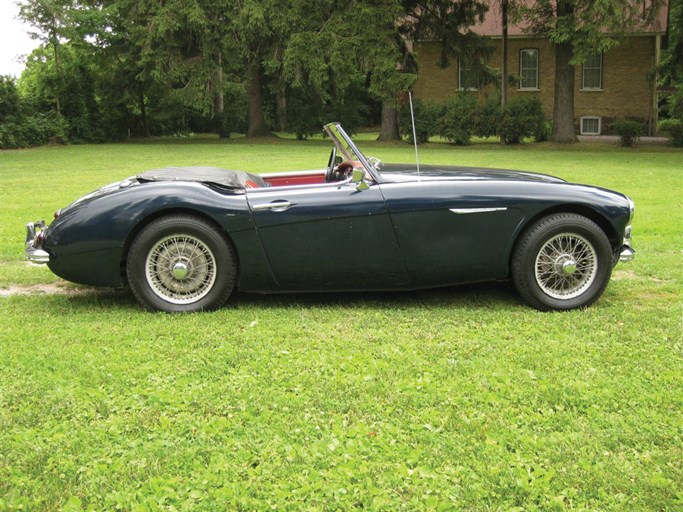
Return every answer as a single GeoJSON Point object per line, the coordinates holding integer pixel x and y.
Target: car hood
{"type": "Point", "coordinates": [408, 172]}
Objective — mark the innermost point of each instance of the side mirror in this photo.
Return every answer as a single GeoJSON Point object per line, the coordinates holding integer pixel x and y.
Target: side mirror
{"type": "Point", "coordinates": [358, 177]}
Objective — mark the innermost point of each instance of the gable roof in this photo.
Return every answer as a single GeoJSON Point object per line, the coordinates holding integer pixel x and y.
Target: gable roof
{"type": "Point", "coordinates": [492, 25]}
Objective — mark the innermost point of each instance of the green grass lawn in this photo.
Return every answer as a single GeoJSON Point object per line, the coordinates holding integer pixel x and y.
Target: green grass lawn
{"type": "Point", "coordinates": [453, 399]}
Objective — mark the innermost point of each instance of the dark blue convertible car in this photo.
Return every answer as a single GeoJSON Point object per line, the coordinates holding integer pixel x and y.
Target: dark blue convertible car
{"type": "Point", "coordinates": [184, 238]}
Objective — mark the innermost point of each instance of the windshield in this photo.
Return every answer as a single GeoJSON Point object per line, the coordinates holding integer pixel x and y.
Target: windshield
{"type": "Point", "coordinates": [348, 148]}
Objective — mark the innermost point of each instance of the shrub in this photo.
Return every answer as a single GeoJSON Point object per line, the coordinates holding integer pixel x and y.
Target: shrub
{"type": "Point", "coordinates": [522, 117]}
{"type": "Point", "coordinates": [674, 128]}
{"type": "Point", "coordinates": [33, 130]}
{"type": "Point", "coordinates": [487, 120]}
{"type": "Point", "coordinates": [458, 119]}
{"type": "Point", "coordinates": [426, 119]}
{"type": "Point", "coordinates": [545, 132]}
{"type": "Point", "coordinates": [629, 131]}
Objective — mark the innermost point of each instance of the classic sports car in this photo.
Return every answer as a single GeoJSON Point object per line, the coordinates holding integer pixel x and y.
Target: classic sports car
{"type": "Point", "coordinates": [184, 238]}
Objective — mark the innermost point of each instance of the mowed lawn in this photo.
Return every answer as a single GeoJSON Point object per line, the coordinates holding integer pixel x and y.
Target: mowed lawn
{"type": "Point", "coordinates": [451, 399]}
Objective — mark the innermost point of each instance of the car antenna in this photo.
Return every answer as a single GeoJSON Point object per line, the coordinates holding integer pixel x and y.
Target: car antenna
{"type": "Point", "coordinates": [412, 119]}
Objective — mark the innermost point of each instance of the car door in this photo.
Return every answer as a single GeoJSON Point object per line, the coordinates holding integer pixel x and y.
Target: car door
{"type": "Point", "coordinates": [328, 237]}
{"type": "Point", "coordinates": [453, 232]}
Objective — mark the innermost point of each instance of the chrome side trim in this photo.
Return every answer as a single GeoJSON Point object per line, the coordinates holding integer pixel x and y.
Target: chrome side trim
{"type": "Point", "coordinates": [464, 211]}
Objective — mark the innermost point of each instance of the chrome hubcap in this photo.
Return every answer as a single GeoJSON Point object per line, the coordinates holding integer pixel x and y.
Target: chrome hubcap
{"type": "Point", "coordinates": [565, 266]}
{"type": "Point", "coordinates": [180, 269]}
{"type": "Point", "coordinates": [569, 267]}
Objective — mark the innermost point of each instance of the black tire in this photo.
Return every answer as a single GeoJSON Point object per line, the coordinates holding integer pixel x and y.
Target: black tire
{"type": "Point", "coordinates": [562, 262]}
{"type": "Point", "coordinates": [181, 264]}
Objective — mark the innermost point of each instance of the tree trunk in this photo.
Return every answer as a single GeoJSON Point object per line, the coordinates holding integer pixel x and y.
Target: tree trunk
{"type": "Point", "coordinates": [389, 130]}
{"type": "Point", "coordinates": [256, 121]}
{"type": "Point", "coordinates": [504, 63]}
{"type": "Point", "coordinates": [563, 110]}
{"type": "Point", "coordinates": [281, 108]}
{"type": "Point", "coordinates": [218, 99]}
{"type": "Point", "coordinates": [143, 112]}
{"type": "Point", "coordinates": [60, 73]}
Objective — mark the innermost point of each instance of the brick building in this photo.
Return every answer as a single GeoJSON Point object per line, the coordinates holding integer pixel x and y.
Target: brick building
{"type": "Point", "coordinates": [615, 85]}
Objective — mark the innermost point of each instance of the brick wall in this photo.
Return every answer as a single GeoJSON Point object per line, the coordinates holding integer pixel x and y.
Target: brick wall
{"type": "Point", "coordinates": [626, 91]}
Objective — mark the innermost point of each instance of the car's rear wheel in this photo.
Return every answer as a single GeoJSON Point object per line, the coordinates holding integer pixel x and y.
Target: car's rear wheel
{"type": "Point", "coordinates": [181, 263]}
{"type": "Point", "coordinates": [562, 262]}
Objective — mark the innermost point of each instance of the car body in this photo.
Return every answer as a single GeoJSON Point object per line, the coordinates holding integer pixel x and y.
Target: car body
{"type": "Point", "coordinates": [184, 238]}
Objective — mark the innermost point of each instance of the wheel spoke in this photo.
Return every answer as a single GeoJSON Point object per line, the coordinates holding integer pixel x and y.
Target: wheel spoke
{"type": "Point", "coordinates": [566, 265]}
{"type": "Point", "coordinates": [194, 263]}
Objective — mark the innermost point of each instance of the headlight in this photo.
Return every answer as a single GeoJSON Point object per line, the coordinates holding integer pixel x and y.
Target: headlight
{"type": "Point", "coordinates": [632, 209]}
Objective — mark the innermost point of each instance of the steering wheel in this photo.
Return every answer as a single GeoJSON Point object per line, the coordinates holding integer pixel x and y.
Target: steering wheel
{"type": "Point", "coordinates": [329, 173]}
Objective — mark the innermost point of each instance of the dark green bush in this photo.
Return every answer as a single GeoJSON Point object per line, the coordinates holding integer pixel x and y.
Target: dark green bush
{"type": "Point", "coordinates": [545, 132]}
{"type": "Point", "coordinates": [674, 128]}
{"type": "Point", "coordinates": [487, 120]}
{"type": "Point", "coordinates": [426, 118]}
{"type": "Point", "coordinates": [33, 130]}
{"type": "Point", "coordinates": [629, 131]}
{"type": "Point", "coordinates": [458, 119]}
{"type": "Point", "coordinates": [522, 117]}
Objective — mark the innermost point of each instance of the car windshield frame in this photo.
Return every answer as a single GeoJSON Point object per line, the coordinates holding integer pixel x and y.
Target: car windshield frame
{"type": "Point", "coordinates": [348, 148]}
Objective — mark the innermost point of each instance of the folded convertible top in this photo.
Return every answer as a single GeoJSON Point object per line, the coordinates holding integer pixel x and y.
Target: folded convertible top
{"type": "Point", "coordinates": [215, 175]}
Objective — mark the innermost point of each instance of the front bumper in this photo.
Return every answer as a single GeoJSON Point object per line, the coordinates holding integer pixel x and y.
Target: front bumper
{"type": "Point", "coordinates": [35, 233]}
{"type": "Point", "coordinates": [627, 252]}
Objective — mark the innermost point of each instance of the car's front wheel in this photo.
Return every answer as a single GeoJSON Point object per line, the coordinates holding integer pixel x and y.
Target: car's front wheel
{"type": "Point", "coordinates": [562, 262]}
{"type": "Point", "coordinates": [181, 263]}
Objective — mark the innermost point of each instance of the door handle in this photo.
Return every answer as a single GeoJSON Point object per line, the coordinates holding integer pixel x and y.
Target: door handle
{"type": "Point", "coordinates": [276, 206]}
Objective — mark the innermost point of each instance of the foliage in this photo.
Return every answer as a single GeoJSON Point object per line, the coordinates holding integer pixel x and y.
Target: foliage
{"type": "Point", "coordinates": [427, 115]}
{"type": "Point", "coordinates": [487, 121]}
{"type": "Point", "coordinates": [674, 128]}
{"type": "Point", "coordinates": [307, 112]}
{"type": "Point", "coordinates": [629, 131]}
{"type": "Point", "coordinates": [458, 118]}
{"type": "Point", "coordinates": [21, 126]}
{"type": "Point", "coordinates": [522, 117]}
{"type": "Point", "coordinates": [336, 51]}
{"type": "Point", "coordinates": [450, 24]}
{"type": "Point", "coordinates": [670, 71]}
{"type": "Point", "coordinates": [10, 103]}
{"type": "Point", "coordinates": [544, 132]}
{"type": "Point", "coordinates": [453, 399]}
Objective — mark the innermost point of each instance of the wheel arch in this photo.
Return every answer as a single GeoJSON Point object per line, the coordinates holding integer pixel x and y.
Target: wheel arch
{"type": "Point", "coordinates": [578, 209]}
{"type": "Point", "coordinates": [141, 224]}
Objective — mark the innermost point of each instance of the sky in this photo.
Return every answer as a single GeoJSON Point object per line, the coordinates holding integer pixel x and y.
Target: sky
{"type": "Point", "coordinates": [14, 39]}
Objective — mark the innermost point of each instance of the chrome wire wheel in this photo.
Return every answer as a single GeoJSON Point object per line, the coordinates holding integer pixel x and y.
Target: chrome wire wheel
{"type": "Point", "coordinates": [180, 269]}
{"type": "Point", "coordinates": [566, 266]}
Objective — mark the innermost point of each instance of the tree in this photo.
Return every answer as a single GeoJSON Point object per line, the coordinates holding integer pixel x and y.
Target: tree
{"type": "Point", "coordinates": [448, 23]}
{"type": "Point", "coordinates": [671, 68]}
{"type": "Point", "coordinates": [338, 48]}
{"type": "Point", "coordinates": [578, 29]}
{"type": "Point", "coordinates": [51, 20]}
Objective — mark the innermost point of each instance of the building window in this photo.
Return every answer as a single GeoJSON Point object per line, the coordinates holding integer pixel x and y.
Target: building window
{"type": "Point", "coordinates": [467, 79]}
{"type": "Point", "coordinates": [592, 72]}
{"type": "Point", "coordinates": [591, 125]}
{"type": "Point", "coordinates": [528, 69]}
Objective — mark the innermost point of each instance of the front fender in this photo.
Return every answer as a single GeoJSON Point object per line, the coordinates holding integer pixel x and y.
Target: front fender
{"type": "Point", "coordinates": [86, 242]}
